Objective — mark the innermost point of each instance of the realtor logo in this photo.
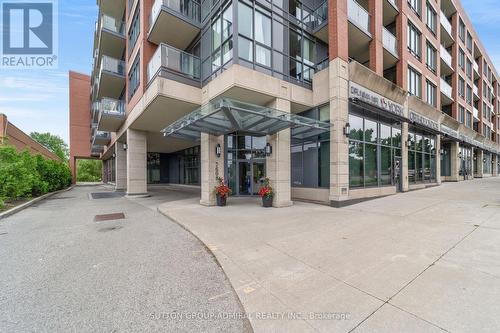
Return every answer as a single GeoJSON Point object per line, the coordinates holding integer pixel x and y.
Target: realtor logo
{"type": "Point", "coordinates": [29, 34]}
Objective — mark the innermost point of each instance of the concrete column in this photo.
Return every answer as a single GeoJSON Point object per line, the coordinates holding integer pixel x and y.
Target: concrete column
{"type": "Point", "coordinates": [455, 162]}
{"type": "Point", "coordinates": [494, 165]}
{"type": "Point", "coordinates": [480, 163]}
{"type": "Point", "coordinates": [212, 167]}
{"type": "Point", "coordinates": [120, 167]}
{"type": "Point", "coordinates": [404, 157]}
{"type": "Point", "coordinates": [438, 159]}
{"type": "Point", "coordinates": [278, 165]}
{"type": "Point", "coordinates": [376, 44]}
{"type": "Point", "coordinates": [339, 143]}
{"type": "Point", "coordinates": [136, 163]}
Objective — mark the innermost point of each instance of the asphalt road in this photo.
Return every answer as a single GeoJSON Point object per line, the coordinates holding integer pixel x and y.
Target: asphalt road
{"type": "Point", "coordinates": [62, 272]}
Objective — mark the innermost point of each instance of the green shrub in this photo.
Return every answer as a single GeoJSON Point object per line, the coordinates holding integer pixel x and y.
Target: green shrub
{"type": "Point", "coordinates": [26, 175]}
{"type": "Point", "coordinates": [88, 170]}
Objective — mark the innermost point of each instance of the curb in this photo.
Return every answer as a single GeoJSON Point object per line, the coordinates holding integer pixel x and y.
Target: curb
{"type": "Point", "coordinates": [25, 205]}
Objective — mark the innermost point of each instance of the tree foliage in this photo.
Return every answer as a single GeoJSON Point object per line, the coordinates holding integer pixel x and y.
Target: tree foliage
{"type": "Point", "coordinates": [88, 170]}
{"type": "Point", "coordinates": [23, 175]}
{"type": "Point", "coordinates": [52, 142]}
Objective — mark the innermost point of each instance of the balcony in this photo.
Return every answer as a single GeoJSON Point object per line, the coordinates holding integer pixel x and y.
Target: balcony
{"type": "Point", "coordinates": [175, 22]}
{"type": "Point", "coordinates": [101, 138]}
{"type": "Point", "coordinates": [112, 7]}
{"type": "Point", "coordinates": [447, 91]}
{"type": "Point", "coordinates": [170, 62]}
{"type": "Point", "coordinates": [477, 74]}
{"type": "Point", "coordinates": [317, 21]}
{"type": "Point", "coordinates": [390, 42]}
{"type": "Point", "coordinates": [390, 12]}
{"type": "Point", "coordinates": [447, 67]}
{"type": "Point", "coordinates": [476, 113]}
{"type": "Point", "coordinates": [111, 80]}
{"type": "Point", "coordinates": [446, 31]}
{"type": "Point", "coordinates": [110, 37]}
{"type": "Point", "coordinates": [96, 150]}
{"type": "Point", "coordinates": [111, 114]}
{"type": "Point", "coordinates": [358, 16]}
{"type": "Point", "coordinates": [475, 89]}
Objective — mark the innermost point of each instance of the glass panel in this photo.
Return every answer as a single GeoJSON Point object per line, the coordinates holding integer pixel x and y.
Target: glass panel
{"type": "Point", "coordinates": [245, 24]}
{"type": "Point", "coordinates": [418, 167]}
{"type": "Point", "coordinates": [216, 34]}
{"type": "Point", "coordinates": [227, 22]}
{"type": "Point", "coordinates": [427, 167]}
{"type": "Point", "coordinates": [356, 124]}
{"type": "Point", "coordinates": [370, 131]}
{"type": "Point", "coordinates": [308, 52]}
{"type": "Point", "coordinates": [245, 49]}
{"type": "Point", "coordinates": [278, 36]}
{"type": "Point", "coordinates": [227, 51]}
{"type": "Point", "coordinates": [411, 167]}
{"type": "Point", "coordinates": [385, 135]}
{"type": "Point", "coordinates": [259, 174]}
{"type": "Point", "coordinates": [324, 164]}
{"type": "Point", "coordinates": [245, 178]}
{"type": "Point", "coordinates": [263, 55]}
{"type": "Point", "coordinates": [262, 29]}
{"type": "Point", "coordinates": [296, 160]}
{"type": "Point", "coordinates": [324, 113]}
{"type": "Point", "coordinates": [310, 164]}
{"type": "Point", "coordinates": [356, 164]}
{"type": "Point", "coordinates": [371, 177]}
{"type": "Point", "coordinates": [385, 166]}
{"type": "Point", "coordinates": [419, 142]}
{"type": "Point", "coordinates": [259, 142]}
{"type": "Point", "coordinates": [278, 62]}
{"type": "Point", "coordinates": [295, 51]}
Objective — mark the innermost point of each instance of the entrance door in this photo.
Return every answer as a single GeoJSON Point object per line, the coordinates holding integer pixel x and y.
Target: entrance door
{"type": "Point", "coordinates": [397, 177]}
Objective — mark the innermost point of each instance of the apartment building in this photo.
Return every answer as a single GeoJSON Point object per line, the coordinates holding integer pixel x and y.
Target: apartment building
{"type": "Point", "coordinates": [334, 101]}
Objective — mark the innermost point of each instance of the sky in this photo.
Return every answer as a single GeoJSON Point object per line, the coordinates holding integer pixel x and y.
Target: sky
{"type": "Point", "coordinates": [37, 100]}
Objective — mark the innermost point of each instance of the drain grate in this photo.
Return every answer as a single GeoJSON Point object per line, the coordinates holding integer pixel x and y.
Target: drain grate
{"type": "Point", "coordinates": [110, 229]}
{"type": "Point", "coordinates": [106, 195]}
{"type": "Point", "coordinates": [109, 217]}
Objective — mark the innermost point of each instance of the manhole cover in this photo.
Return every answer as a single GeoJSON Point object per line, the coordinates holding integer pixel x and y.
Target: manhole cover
{"type": "Point", "coordinates": [110, 229]}
{"type": "Point", "coordinates": [106, 195]}
{"type": "Point", "coordinates": [109, 217]}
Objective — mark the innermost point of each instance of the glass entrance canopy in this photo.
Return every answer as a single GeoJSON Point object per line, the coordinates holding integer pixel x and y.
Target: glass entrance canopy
{"type": "Point", "coordinates": [226, 116]}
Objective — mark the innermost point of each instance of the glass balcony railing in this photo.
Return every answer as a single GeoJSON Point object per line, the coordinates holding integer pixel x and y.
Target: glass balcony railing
{"type": "Point", "coordinates": [476, 66]}
{"type": "Point", "coordinates": [476, 113]}
{"type": "Point", "coordinates": [390, 42]}
{"type": "Point", "coordinates": [358, 15]}
{"type": "Point", "coordinates": [446, 56]}
{"type": "Point", "coordinates": [174, 60]}
{"type": "Point", "coordinates": [187, 8]}
{"type": "Point", "coordinates": [446, 89]}
{"type": "Point", "coordinates": [112, 106]}
{"type": "Point", "coordinates": [393, 3]}
{"type": "Point", "coordinates": [446, 23]}
{"type": "Point", "coordinates": [476, 90]}
{"type": "Point", "coordinates": [317, 17]}
{"type": "Point", "coordinates": [113, 65]}
{"type": "Point", "coordinates": [112, 24]}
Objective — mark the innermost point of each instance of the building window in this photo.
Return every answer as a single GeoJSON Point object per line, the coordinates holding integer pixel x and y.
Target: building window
{"type": "Point", "coordinates": [431, 57]}
{"type": "Point", "coordinates": [416, 6]}
{"type": "Point", "coordinates": [468, 69]}
{"type": "Point", "coordinates": [468, 95]}
{"type": "Point", "coordinates": [461, 30]}
{"type": "Point", "coordinates": [461, 87]}
{"type": "Point", "coordinates": [414, 82]}
{"type": "Point", "coordinates": [468, 120]}
{"type": "Point", "coordinates": [134, 31]}
{"type": "Point", "coordinates": [421, 157]}
{"type": "Point", "coordinates": [373, 146]}
{"type": "Point", "coordinates": [431, 93]}
{"type": "Point", "coordinates": [469, 42]}
{"type": "Point", "coordinates": [414, 38]}
{"type": "Point", "coordinates": [134, 77]}
{"type": "Point", "coordinates": [461, 58]}
{"type": "Point", "coordinates": [461, 114]}
{"type": "Point", "coordinates": [222, 41]}
{"type": "Point", "coordinates": [310, 158]}
{"type": "Point", "coordinates": [431, 18]}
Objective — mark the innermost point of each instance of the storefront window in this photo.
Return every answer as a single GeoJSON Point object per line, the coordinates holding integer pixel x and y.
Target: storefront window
{"type": "Point", "coordinates": [446, 160]}
{"type": "Point", "coordinates": [421, 157]}
{"type": "Point", "coordinates": [373, 145]}
{"type": "Point", "coordinates": [486, 163]}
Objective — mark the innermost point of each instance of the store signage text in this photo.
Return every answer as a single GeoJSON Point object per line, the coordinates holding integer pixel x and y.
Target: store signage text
{"type": "Point", "coordinates": [372, 98]}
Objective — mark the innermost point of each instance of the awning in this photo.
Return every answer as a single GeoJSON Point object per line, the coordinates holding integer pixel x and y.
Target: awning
{"type": "Point", "coordinates": [226, 116]}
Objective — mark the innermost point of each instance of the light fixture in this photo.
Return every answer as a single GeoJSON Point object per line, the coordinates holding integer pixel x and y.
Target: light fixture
{"type": "Point", "coordinates": [347, 130]}
{"type": "Point", "coordinates": [114, 155]}
{"type": "Point", "coordinates": [484, 160]}
{"type": "Point", "coordinates": [125, 146]}
{"type": "Point", "coordinates": [218, 150]}
{"type": "Point", "coordinates": [269, 149]}
{"type": "Point", "coordinates": [460, 155]}
{"type": "Point", "coordinates": [442, 151]}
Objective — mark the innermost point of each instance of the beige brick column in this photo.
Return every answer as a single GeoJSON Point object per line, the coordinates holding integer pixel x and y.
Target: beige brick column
{"type": "Point", "coordinates": [278, 165]}
{"type": "Point", "coordinates": [455, 161]}
{"type": "Point", "coordinates": [136, 163]}
{"type": "Point", "coordinates": [339, 143]}
{"type": "Point", "coordinates": [211, 167]}
{"type": "Point", "coordinates": [404, 157]}
{"type": "Point", "coordinates": [480, 163]}
{"type": "Point", "coordinates": [120, 167]}
{"type": "Point", "coordinates": [494, 165]}
{"type": "Point", "coordinates": [438, 159]}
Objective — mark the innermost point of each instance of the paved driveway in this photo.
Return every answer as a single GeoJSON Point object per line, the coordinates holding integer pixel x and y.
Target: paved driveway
{"type": "Point", "coordinates": [424, 261]}
{"type": "Point", "coordinates": [62, 272]}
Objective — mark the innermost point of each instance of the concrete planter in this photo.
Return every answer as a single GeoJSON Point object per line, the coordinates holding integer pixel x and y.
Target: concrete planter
{"type": "Point", "coordinates": [267, 202]}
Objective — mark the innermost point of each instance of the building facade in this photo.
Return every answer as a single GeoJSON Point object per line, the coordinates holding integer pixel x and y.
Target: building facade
{"type": "Point", "coordinates": [334, 101]}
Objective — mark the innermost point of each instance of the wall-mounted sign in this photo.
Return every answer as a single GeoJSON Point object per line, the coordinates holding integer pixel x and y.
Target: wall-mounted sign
{"type": "Point", "coordinates": [372, 98]}
{"type": "Point", "coordinates": [450, 132]}
{"type": "Point", "coordinates": [424, 121]}
{"type": "Point", "coordinates": [467, 140]}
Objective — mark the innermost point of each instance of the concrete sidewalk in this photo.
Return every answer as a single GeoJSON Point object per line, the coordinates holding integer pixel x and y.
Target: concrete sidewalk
{"type": "Point", "coordinates": [424, 261]}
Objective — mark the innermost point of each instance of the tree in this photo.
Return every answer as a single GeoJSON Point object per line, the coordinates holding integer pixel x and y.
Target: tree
{"type": "Point", "coordinates": [88, 170]}
{"type": "Point", "coordinates": [52, 142]}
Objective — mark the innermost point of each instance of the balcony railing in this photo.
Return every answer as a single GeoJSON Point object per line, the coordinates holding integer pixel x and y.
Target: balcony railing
{"type": "Point", "coordinates": [111, 106]}
{"type": "Point", "coordinates": [446, 24]}
{"type": "Point", "coordinates": [446, 89]}
{"type": "Point", "coordinates": [112, 24]}
{"type": "Point", "coordinates": [358, 15]}
{"type": "Point", "coordinates": [446, 56]}
{"type": "Point", "coordinates": [476, 90]}
{"type": "Point", "coordinates": [476, 66]}
{"type": "Point", "coordinates": [390, 42]}
{"type": "Point", "coordinates": [174, 60]}
{"type": "Point", "coordinates": [476, 113]}
{"type": "Point", "coordinates": [113, 65]}
{"type": "Point", "coordinates": [187, 8]}
{"type": "Point", "coordinates": [393, 3]}
{"type": "Point", "coordinates": [317, 17]}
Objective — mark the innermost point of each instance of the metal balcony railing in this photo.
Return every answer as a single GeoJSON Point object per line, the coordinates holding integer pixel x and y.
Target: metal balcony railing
{"type": "Point", "coordinates": [446, 24]}
{"type": "Point", "coordinates": [358, 15]}
{"type": "Point", "coordinates": [111, 106]}
{"type": "Point", "coordinates": [187, 8]}
{"type": "Point", "coordinates": [317, 17]}
{"type": "Point", "coordinates": [390, 41]}
{"type": "Point", "coordinates": [113, 65]}
{"type": "Point", "coordinates": [446, 56]}
{"type": "Point", "coordinates": [174, 60]}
